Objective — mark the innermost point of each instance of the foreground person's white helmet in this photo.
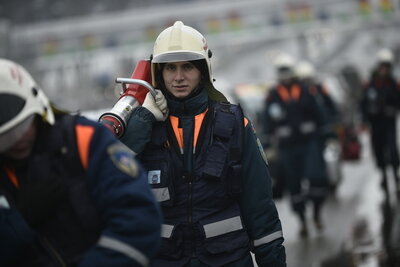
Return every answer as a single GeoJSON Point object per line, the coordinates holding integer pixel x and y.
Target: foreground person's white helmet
{"type": "Point", "coordinates": [20, 99]}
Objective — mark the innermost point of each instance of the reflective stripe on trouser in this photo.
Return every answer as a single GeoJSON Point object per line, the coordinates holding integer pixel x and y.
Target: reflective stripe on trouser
{"type": "Point", "coordinates": [268, 238]}
{"type": "Point", "coordinates": [223, 227]}
{"type": "Point", "coordinates": [121, 247]}
{"type": "Point", "coordinates": [283, 131]}
{"type": "Point", "coordinates": [307, 127]}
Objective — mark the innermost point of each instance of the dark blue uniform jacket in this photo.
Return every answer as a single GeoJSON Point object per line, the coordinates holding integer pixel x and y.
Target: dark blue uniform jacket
{"type": "Point", "coordinates": [110, 217]}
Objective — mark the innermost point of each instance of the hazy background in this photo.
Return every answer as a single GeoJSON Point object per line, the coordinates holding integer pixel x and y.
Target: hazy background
{"type": "Point", "coordinates": [75, 49]}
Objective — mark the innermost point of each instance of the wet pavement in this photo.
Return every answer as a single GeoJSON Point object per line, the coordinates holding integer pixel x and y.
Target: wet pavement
{"type": "Point", "coordinates": [358, 198]}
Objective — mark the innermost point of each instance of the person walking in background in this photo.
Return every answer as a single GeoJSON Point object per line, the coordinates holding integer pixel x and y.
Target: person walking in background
{"type": "Point", "coordinates": [212, 177]}
{"type": "Point", "coordinates": [379, 105]}
{"type": "Point", "coordinates": [329, 140]}
{"type": "Point", "coordinates": [306, 74]}
{"type": "Point", "coordinates": [294, 120]}
{"type": "Point", "coordinates": [70, 193]}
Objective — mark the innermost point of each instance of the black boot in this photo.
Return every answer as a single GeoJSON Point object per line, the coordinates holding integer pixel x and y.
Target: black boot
{"type": "Point", "coordinates": [396, 177]}
{"type": "Point", "coordinates": [384, 181]}
{"type": "Point", "coordinates": [317, 217]}
{"type": "Point", "coordinates": [303, 226]}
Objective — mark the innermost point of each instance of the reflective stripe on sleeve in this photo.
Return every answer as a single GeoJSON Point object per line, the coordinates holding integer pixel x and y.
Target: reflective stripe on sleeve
{"type": "Point", "coordinates": [161, 194]}
{"type": "Point", "coordinates": [307, 127]}
{"type": "Point", "coordinates": [166, 230]}
{"type": "Point", "coordinates": [283, 131]}
{"type": "Point", "coordinates": [223, 227]}
{"type": "Point", "coordinates": [268, 238]}
{"type": "Point", "coordinates": [4, 203]}
{"type": "Point", "coordinates": [127, 250]}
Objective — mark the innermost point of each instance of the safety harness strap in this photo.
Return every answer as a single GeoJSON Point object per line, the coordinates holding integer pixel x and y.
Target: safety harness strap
{"type": "Point", "coordinates": [224, 123]}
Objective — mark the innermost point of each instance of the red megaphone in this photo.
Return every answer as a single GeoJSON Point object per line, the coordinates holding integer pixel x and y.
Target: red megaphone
{"type": "Point", "coordinates": [134, 92]}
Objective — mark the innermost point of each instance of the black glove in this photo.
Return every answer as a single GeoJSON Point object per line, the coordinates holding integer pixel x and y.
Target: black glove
{"type": "Point", "coordinates": [38, 200]}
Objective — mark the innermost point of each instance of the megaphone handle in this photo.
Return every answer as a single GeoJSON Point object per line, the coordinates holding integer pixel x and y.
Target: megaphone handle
{"type": "Point", "coordinates": [152, 91]}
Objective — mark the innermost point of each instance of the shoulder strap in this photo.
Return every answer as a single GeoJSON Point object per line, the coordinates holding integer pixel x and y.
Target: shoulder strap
{"type": "Point", "coordinates": [226, 139]}
{"type": "Point", "coordinates": [84, 134]}
{"type": "Point", "coordinates": [77, 140]}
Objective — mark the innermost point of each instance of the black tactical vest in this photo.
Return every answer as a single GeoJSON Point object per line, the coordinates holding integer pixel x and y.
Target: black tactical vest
{"type": "Point", "coordinates": [202, 217]}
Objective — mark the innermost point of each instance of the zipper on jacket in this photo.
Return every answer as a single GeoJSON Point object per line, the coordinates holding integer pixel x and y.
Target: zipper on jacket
{"type": "Point", "coordinates": [190, 214]}
{"type": "Point", "coordinates": [52, 251]}
{"type": "Point", "coordinates": [190, 182]}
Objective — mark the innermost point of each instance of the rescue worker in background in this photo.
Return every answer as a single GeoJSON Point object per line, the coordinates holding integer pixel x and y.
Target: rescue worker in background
{"type": "Point", "coordinates": [70, 193]}
{"type": "Point", "coordinates": [305, 73]}
{"type": "Point", "coordinates": [380, 102]}
{"type": "Point", "coordinates": [293, 119]}
{"type": "Point", "coordinates": [212, 179]}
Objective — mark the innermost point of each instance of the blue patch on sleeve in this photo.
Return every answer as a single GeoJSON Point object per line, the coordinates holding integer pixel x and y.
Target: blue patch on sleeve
{"type": "Point", "coordinates": [123, 158]}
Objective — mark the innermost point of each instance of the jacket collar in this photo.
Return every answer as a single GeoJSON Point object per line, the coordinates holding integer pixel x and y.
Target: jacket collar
{"type": "Point", "coordinates": [188, 107]}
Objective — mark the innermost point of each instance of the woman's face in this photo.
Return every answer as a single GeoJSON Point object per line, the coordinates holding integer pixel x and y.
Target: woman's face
{"type": "Point", "coordinates": [181, 78]}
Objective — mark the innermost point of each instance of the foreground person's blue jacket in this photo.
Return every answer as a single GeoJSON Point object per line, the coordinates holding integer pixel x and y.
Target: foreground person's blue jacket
{"type": "Point", "coordinates": [109, 216]}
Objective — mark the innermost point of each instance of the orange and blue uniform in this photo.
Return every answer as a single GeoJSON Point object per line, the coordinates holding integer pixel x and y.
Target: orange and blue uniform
{"type": "Point", "coordinates": [109, 217]}
{"type": "Point", "coordinates": [294, 118]}
{"type": "Point", "coordinates": [211, 179]}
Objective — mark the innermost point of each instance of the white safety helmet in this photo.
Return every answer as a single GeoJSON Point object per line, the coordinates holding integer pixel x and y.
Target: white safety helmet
{"type": "Point", "coordinates": [305, 70]}
{"type": "Point", "coordinates": [183, 43]}
{"type": "Point", "coordinates": [284, 65]}
{"type": "Point", "coordinates": [385, 56]}
{"type": "Point", "coordinates": [20, 99]}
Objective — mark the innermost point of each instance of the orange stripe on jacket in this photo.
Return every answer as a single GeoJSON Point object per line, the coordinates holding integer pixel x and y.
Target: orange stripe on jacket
{"type": "Point", "coordinates": [289, 94]}
{"type": "Point", "coordinates": [84, 136]}
{"type": "Point", "coordinates": [198, 121]}
{"type": "Point", "coordinates": [10, 172]}
{"type": "Point", "coordinates": [177, 131]}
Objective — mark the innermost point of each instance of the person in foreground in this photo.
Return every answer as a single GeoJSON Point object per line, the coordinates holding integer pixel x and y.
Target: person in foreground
{"type": "Point", "coordinates": [71, 194]}
{"type": "Point", "coordinates": [204, 162]}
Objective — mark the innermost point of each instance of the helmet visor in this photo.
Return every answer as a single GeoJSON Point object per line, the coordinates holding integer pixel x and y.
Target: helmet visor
{"type": "Point", "coordinates": [177, 57]}
{"type": "Point", "coordinates": [10, 137]}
